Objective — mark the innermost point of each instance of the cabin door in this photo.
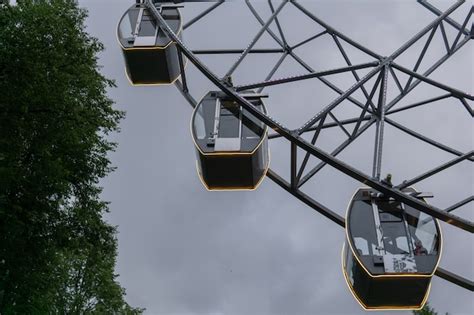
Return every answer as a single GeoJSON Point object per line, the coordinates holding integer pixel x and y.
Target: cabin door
{"type": "Point", "coordinates": [146, 30]}
{"type": "Point", "coordinates": [228, 126]}
{"type": "Point", "coordinates": [394, 237]}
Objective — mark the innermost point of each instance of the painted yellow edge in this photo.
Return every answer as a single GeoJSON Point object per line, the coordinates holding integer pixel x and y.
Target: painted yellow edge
{"type": "Point", "coordinates": [265, 135]}
{"type": "Point", "coordinates": [380, 308]}
{"type": "Point", "coordinates": [413, 275]}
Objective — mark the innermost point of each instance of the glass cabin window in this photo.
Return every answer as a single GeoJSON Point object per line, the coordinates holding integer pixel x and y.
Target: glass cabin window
{"type": "Point", "coordinates": [127, 24]}
{"type": "Point", "coordinates": [203, 121]}
{"type": "Point", "coordinates": [349, 260]}
{"type": "Point", "coordinates": [395, 236]}
{"type": "Point", "coordinates": [229, 123]}
{"type": "Point", "coordinates": [362, 228]}
{"type": "Point", "coordinates": [199, 126]}
{"type": "Point", "coordinates": [225, 126]}
{"type": "Point", "coordinates": [147, 27]}
{"type": "Point", "coordinates": [424, 232]}
{"type": "Point", "coordinates": [362, 245]}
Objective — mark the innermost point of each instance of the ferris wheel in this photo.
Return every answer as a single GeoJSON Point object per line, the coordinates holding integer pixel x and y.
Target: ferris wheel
{"type": "Point", "coordinates": [393, 237]}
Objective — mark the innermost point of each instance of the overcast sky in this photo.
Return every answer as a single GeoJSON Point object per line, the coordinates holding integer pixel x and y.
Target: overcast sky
{"type": "Point", "coordinates": [184, 250]}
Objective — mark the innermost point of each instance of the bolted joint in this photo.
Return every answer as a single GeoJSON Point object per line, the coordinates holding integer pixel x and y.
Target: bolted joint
{"type": "Point", "coordinates": [384, 60]}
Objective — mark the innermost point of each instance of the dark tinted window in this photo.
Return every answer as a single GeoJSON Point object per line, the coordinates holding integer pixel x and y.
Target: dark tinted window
{"type": "Point", "coordinates": [251, 126]}
{"type": "Point", "coordinates": [395, 236]}
{"type": "Point", "coordinates": [362, 228]}
{"type": "Point", "coordinates": [147, 27]}
{"type": "Point", "coordinates": [229, 124]}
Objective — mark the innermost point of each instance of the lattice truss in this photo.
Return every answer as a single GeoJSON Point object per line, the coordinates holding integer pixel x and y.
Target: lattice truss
{"type": "Point", "coordinates": [378, 87]}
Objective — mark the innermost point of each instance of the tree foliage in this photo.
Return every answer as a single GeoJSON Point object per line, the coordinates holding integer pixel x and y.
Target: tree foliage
{"type": "Point", "coordinates": [57, 254]}
{"type": "Point", "coordinates": [426, 310]}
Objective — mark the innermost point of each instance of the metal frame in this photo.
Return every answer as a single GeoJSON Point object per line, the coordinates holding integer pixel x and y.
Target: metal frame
{"type": "Point", "coordinates": [373, 112]}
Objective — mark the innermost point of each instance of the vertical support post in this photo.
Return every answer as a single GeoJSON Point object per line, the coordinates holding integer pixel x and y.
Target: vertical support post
{"type": "Point", "coordinates": [293, 162]}
{"type": "Point", "coordinates": [377, 166]}
{"type": "Point", "coordinates": [183, 73]}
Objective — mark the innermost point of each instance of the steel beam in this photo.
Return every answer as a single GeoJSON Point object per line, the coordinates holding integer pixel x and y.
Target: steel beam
{"type": "Point", "coordinates": [428, 101]}
{"type": "Point", "coordinates": [299, 60]}
{"type": "Point", "coordinates": [454, 278]}
{"type": "Point", "coordinates": [332, 30]}
{"type": "Point", "coordinates": [425, 30]}
{"type": "Point", "coordinates": [304, 76]}
{"type": "Point", "coordinates": [274, 69]}
{"type": "Point", "coordinates": [280, 30]}
{"type": "Point", "coordinates": [379, 133]}
{"type": "Point", "coordinates": [442, 86]}
{"type": "Point", "coordinates": [255, 39]}
{"type": "Point", "coordinates": [436, 170]}
{"type": "Point", "coordinates": [424, 138]}
{"type": "Point", "coordinates": [237, 51]}
{"type": "Point", "coordinates": [203, 14]}
{"type": "Point", "coordinates": [437, 12]}
{"type": "Point", "coordinates": [309, 39]}
{"type": "Point", "coordinates": [425, 74]}
{"type": "Point", "coordinates": [422, 54]}
{"type": "Point", "coordinates": [460, 203]}
{"type": "Point", "coordinates": [339, 99]}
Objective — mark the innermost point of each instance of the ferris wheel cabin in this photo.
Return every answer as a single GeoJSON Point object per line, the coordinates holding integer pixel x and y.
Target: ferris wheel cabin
{"type": "Point", "coordinates": [150, 56]}
{"type": "Point", "coordinates": [231, 144]}
{"type": "Point", "coordinates": [391, 251]}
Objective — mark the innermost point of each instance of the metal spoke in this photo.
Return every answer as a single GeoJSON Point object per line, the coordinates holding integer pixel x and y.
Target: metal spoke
{"type": "Point", "coordinates": [462, 27]}
{"type": "Point", "coordinates": [423, 78]}
{"type": "Point", "coordinates": [425, 30]}
{"type": "Point", "coordinates": [445, 37]}
{"type": "Point", "coordinates": [280, 30]}
{"type": "Point", "coordinates": [379, 132]}
{"type": "Point", "coordinates": [397, 82]}
{"type": "Point", "coordinates": [255, 39]}
{"type": "Point", "coordinates": [460, 204]}
{"type": "Point", "coordinates": [309, 39]}
{"type": "Point", "coordinates": [435, 170]}
{"type": "Point", "coordinates": [332, 30]}
{"type": "Point", "coordinates": [335, 152]}
{"type": "Point", "coordinates": [422, 55]}
{"type": "Point", "coordinates": [203, 14]}
{"type": "Point", "coordinates": [304, 76]}
{"type": "Point", "coordinates": [466, 105]}
{"type": "Point", "coordinates": [435, 66]}
{"type": "Point", "coordinates": [313, 142]}
{"type": "Point", "coordinates": [339, 124]}
{"type": "Point", "coordinates": [237, 51]}
{"type": "Point", "coordinates": [362, 115]}
{"type": "Point", "coordinates": [428, 101]}
{"type": "Point", "coordinates": [354, 73]}
{"type": "Point", "coordinates": [436, 11]}
{"type": "Point", "coordinates": [274, 69]}
{"type": "Point", "coordinates": [425, 139]}
{"type": "Point", "coordinates": [299, 60]}
{"type": "Point", "coordinates": [338, 100]}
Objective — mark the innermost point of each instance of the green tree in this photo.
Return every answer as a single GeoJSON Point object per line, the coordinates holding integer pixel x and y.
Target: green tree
{"type": "Point", "coordinates": [426, 310]}
{"type": "Point", "coordinates": [57, 254]}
